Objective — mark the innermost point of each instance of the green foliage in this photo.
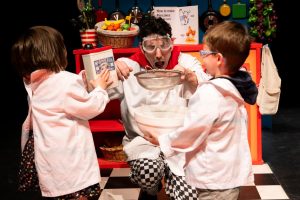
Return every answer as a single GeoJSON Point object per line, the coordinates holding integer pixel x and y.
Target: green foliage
{"type": "Point", "coordinates": [87, 17]}
{"type": "Point", "coordinates": [262, 20]}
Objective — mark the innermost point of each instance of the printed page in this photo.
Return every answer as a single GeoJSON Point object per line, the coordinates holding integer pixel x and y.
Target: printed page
{"type": "Point", "coordinates": [94, 63]}
{"type": "Point", "coordinates": [184, 22]}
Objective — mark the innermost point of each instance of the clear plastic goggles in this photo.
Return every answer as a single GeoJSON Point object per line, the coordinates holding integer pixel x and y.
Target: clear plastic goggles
{"type": "Point", "coordinates": [150, 44]}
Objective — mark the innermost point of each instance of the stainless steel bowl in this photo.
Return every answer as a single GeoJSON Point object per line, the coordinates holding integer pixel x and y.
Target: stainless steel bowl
{"type": "Point", "coordinates": [158, 79]}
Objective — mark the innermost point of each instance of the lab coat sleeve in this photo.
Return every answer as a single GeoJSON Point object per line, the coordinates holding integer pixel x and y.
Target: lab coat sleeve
{"type": "Point", "coordinates": [81, 104]}
{"type": "Point", "coordinates": [200, 119]}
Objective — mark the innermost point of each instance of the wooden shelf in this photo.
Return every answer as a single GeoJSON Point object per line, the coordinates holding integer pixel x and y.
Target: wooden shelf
{"type": "Point", "coordinates": [109, 125]}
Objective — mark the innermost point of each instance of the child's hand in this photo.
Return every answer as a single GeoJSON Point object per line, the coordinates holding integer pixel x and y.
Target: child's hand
{"type": "Point", "coordinates": [82, 73]}
{"type": "Point", "coordinates": [102, 80]}
{"type": "Point", "coordinates": [188, 76]}
{"type": "Point", "coordinates": [191, 78]}
{"type": "Point", "coordinates": [152, 138]}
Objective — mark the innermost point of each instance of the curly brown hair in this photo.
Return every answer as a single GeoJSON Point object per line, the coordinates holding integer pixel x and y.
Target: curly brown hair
{"type": "Point", "coordinates": [153, 25]}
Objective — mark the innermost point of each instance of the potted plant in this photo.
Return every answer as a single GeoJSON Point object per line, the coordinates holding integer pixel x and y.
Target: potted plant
{"type": "Point", "coordinates": [85, 23]}
{"type": "Point", "coordinates": [87, 17]}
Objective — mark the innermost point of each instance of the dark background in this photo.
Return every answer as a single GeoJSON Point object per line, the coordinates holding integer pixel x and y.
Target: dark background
{"type": "Point", "coordinates": [16, 16]}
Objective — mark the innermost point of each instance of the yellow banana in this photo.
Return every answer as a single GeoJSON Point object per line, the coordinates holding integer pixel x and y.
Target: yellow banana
{"type": "Point", "coordinates": [119, 21]}
{"type": "Point", "coordinates": [104, 27]}
{"type": "Point", "coordinates": [107, 23]}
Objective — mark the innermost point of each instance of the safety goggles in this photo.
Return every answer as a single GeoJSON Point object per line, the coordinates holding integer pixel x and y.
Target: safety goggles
{"type": "Point", "coordinates": [150, 44]}
{"type": "Point", "coordinates": [204, 53]}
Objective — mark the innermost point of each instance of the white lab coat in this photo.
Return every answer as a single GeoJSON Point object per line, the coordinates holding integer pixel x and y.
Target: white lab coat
{"type": "Point", "coordinates": [60, 108]}
{"type": "Point", "coordinates": [214, 138]}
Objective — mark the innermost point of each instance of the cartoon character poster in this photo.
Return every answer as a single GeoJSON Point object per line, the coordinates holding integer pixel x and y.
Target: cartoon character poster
{"type": "Point", "coordinates": [184, 22]}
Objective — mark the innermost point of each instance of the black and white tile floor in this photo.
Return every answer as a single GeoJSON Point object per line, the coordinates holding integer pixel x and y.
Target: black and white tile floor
{"type": "Point", "coordinates": [117, 186]}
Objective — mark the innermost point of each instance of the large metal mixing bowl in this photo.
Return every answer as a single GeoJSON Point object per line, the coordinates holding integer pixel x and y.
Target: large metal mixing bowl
{"type": "Point", "coordinates": [158, 79]}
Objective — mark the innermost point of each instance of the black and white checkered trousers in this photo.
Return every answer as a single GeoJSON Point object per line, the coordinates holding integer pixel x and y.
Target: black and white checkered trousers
{"type": "Point", "coordinates": [148, 174]}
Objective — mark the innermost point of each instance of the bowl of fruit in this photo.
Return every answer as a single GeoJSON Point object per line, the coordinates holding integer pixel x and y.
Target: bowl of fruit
{"type": "Point", "coordinates": [116, 33]}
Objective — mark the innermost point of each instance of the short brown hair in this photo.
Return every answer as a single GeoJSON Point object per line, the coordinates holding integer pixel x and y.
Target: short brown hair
{"type": "Point", "coordinates": [232, 40]}
{"type": "Point", "coordinates": [40, 47]}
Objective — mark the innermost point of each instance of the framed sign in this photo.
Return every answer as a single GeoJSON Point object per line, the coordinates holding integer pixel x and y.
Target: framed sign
{"type": "Point", "coordinates": [184, 22]}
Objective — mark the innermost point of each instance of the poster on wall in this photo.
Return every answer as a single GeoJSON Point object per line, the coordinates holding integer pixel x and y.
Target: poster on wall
{"type": "Point", "coordinates": [184, 22]}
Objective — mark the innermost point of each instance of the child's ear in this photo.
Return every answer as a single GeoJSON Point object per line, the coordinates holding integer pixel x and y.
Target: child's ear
{"type": "Point", "coordinates": [220, 57]}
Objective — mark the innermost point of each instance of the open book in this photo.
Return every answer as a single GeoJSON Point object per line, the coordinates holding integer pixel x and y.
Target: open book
{"type": "Point", "coordinates": [95, 62]}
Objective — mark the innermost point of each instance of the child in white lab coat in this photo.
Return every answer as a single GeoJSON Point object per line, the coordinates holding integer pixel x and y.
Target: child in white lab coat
{"type": "Point", "coordinates": [214, 134]}
{"type": "Point", "coordinates": [64, 156]}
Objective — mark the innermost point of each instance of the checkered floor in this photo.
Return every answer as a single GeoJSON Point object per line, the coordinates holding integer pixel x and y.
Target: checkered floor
{"type": "Point", "coordinates": [117, 186]}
